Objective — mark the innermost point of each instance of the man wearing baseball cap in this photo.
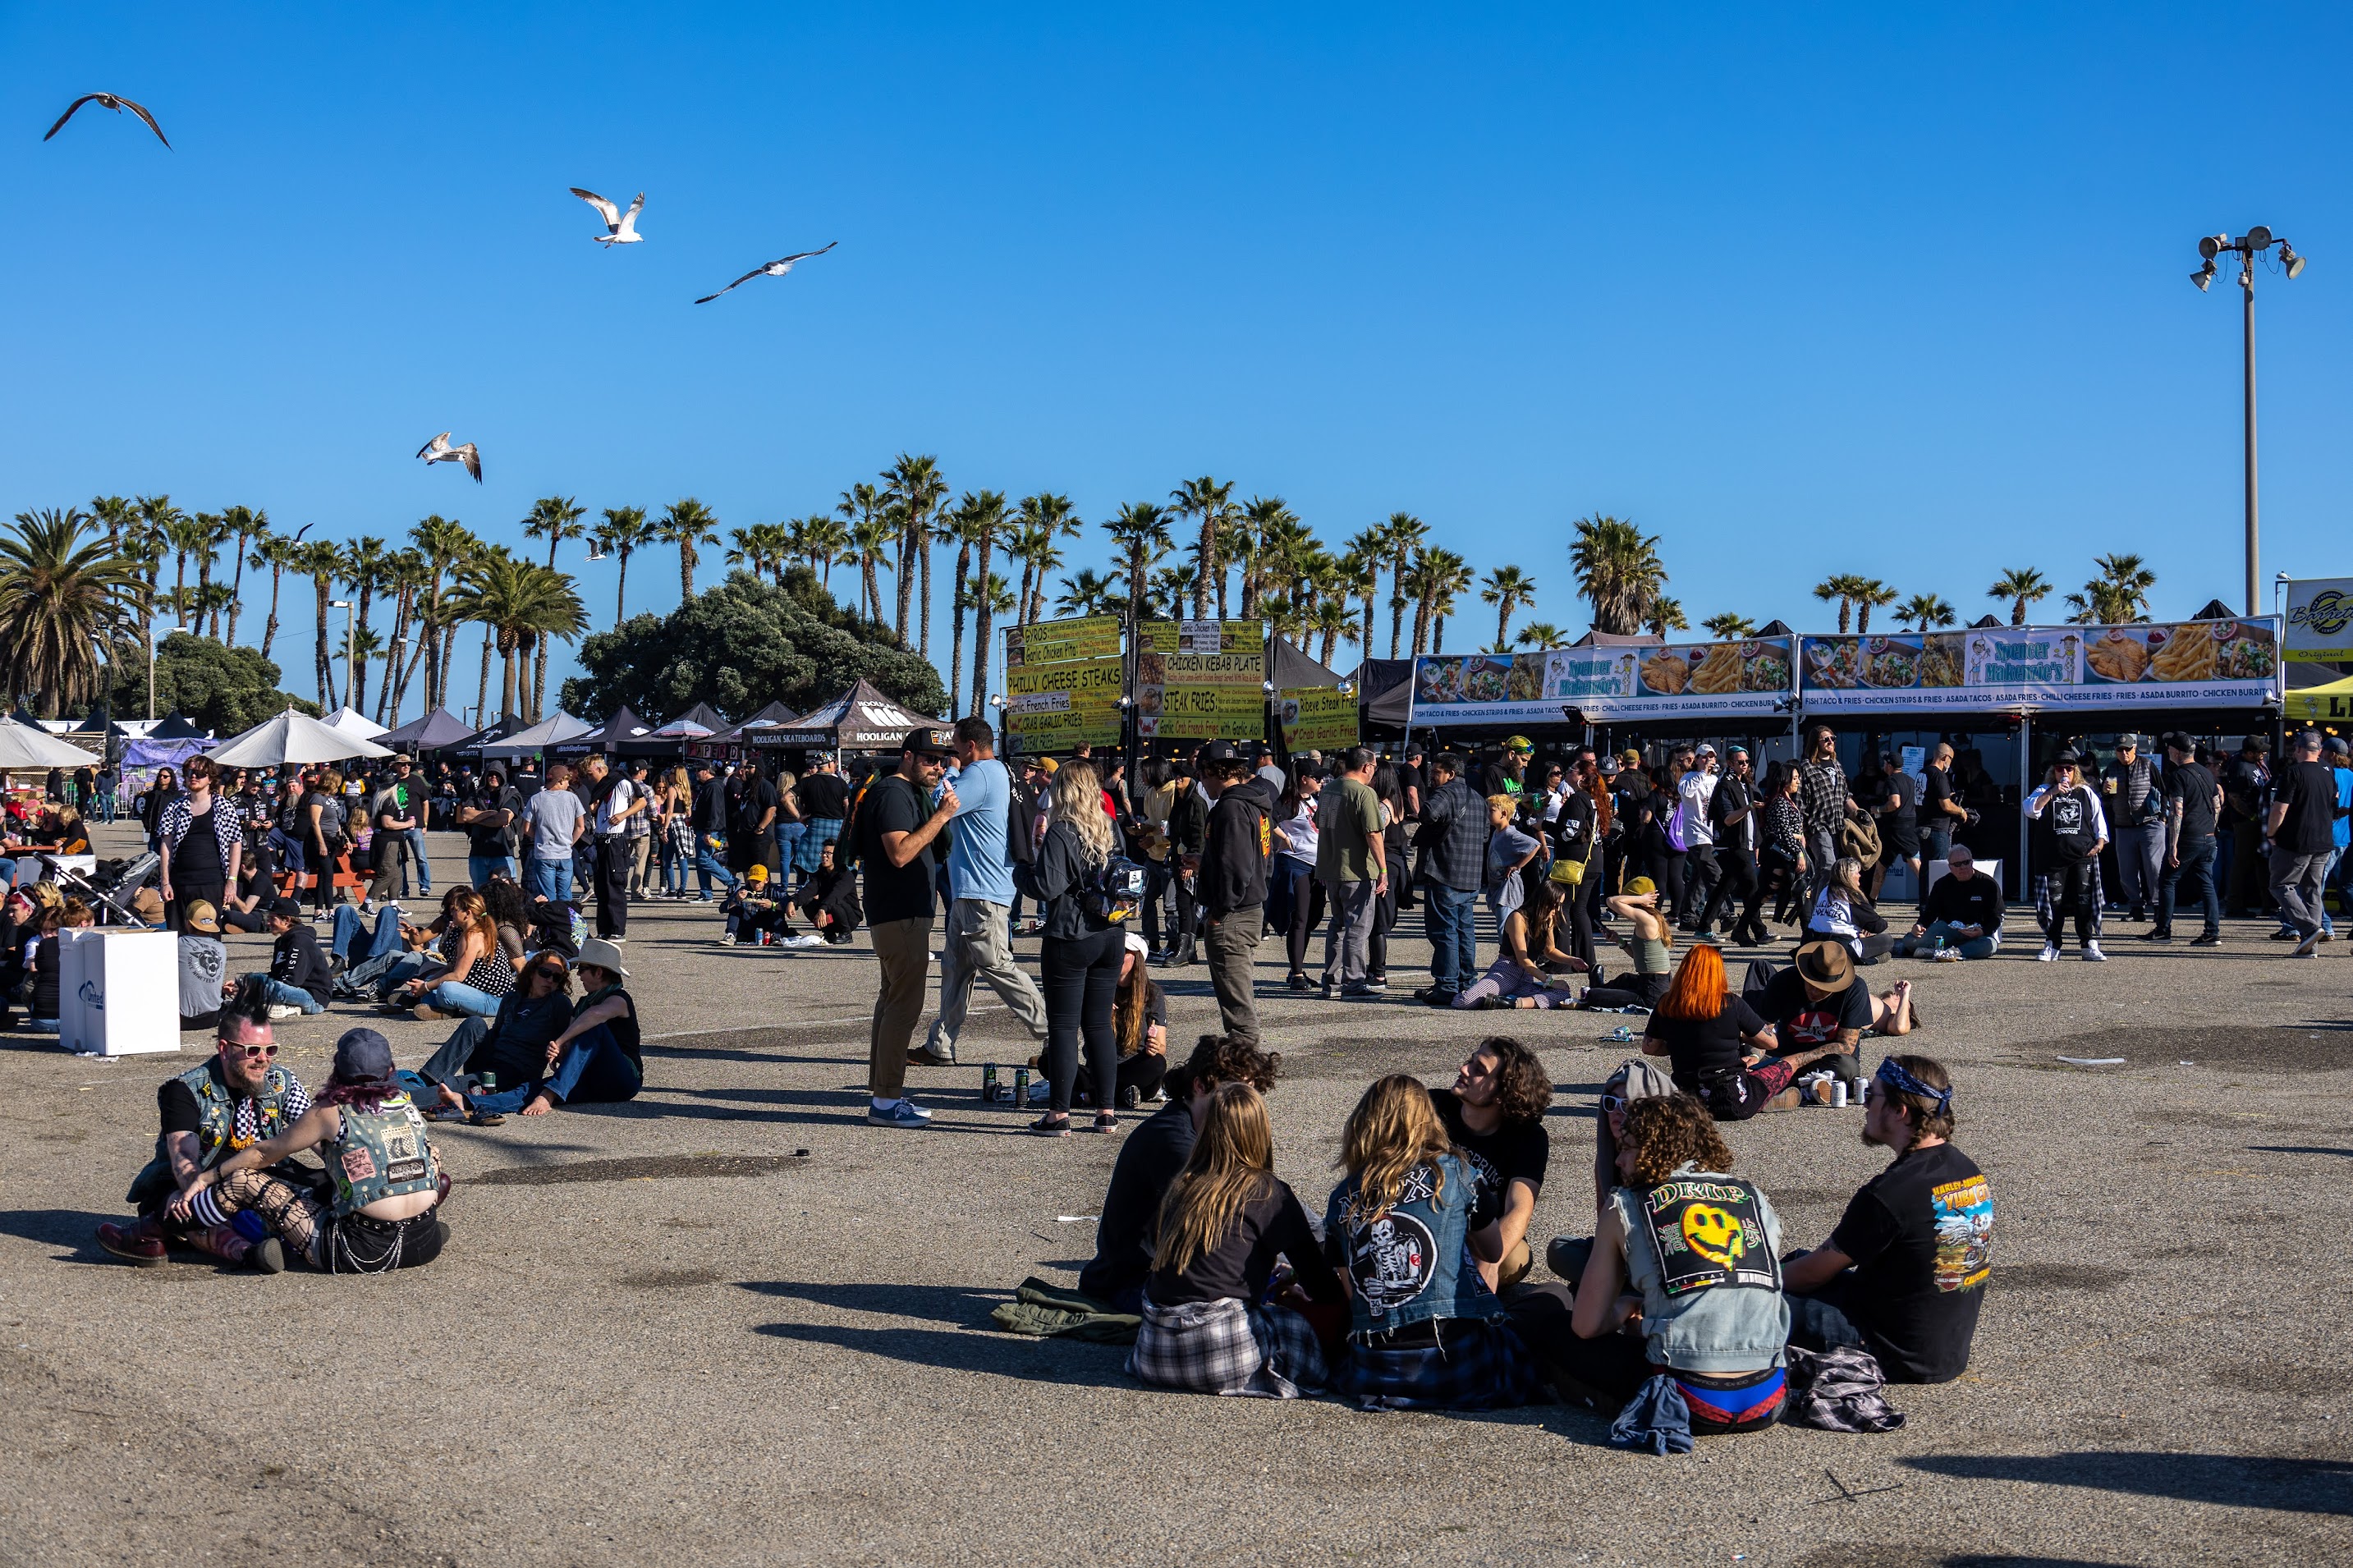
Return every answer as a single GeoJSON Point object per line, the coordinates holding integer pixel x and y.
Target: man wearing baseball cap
{"type": "Point", "coordinates": [892, 830]}
{"type": "Point", "coordinates": [2135, 787]}
{"type": "Point", "coordinates": [1507, 772]}
{"type": "Point", "coordinates": [2193, 810]}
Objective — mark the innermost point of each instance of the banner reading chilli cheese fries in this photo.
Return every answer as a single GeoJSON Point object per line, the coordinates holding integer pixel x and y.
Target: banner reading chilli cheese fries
{"type": "Point", "coordinates": [1702, 679]}
{"type": "Point", "coordinates": [2180, 664]}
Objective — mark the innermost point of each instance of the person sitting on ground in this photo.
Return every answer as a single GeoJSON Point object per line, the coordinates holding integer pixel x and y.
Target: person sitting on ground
{"type": "Point", "coordinates": [236, 1099]}
{"type": "Point", "coordinates": [751, 906]}
{"type": "Point", "coordinates": [476, 974]}
{"type": "Point", "coordinates": [1151, 1158]}
{"type": "Point", "coordinates": [1139, 1021]}
{"type": "Point", "coordinates": [1904, 1274]}
{"type": "Point", "coordinates": [1820, 1000]}
{"type": "Point", "coordinates": [1425, 1333]}
{"type": "Point", "coordinates": [1528, 954]}
{"type": "Point", "coordinates": [487, 1067]}
{"type": "Point", "coordinates": [556, 927]}
{"type": "Point", "coordinates": [1843, 913]}
{"type": "Point", "coordinates": [1649, 938]}
{"type": "Point", "coordinates": [1680, 1282]}
{"type": "Point", "coordinates": [510, 911]}
{"type": "Point", "coordinates": [1962, 913]}
{"type": "Point", "coordinates": [421, 950]}
{"type": "Point", "coordinates": [20, 937]}
{"type": "Point", "coordinates": [48, 962]}
{"type": "Point", "coordinates": [597, 1059]}
{"type": "Point", "coordinates": [386, 1182]}
{"type": "Point", "coordinates": [829, 900]}
{"type": "Point", "coordinates": [352, 943]}
{"type": "Point", "coordinates": [203, 967]}
{"type": "Point", "coordinates": [300, 979]}
{"type": "Point", "coordinates": [1700, 1028]}
{"type": "Point", "coordinates": [1207, 1324]}
{"type": "Point", "coordinates": [1494, 1118]}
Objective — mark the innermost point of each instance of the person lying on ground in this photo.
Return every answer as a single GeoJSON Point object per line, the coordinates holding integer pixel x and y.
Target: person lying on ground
{"type": "Point", "coordinates": [203, 967]}
{"type": "Point", "coordinates": [1719, 1046]}
{"type": "Point", "coordinates": [1820, 1000]}
{"type": "Point", "coordinates": [751, 906]}
{"type": "Point", "coordinates": [1904, 1274]}
{"type": "Point", "coordinates": [300, 978]}
{"type": "Point", "coordinates": [1493, 1116]}
{"type": "Point", "coordinates": [377, 1214]}
{"type": "Point", "coordinates": [829, 900]}
{"type": "Point", "coordinates": [1680, 1281]}
{"type": "Point", "coordinates": [1209, 1324]}
{"type": "Point", "coordinates": [1649, 940]}
{"type": "Point", "coordinates": [1150, 1159]}
{"type": "Point", "coordinates": [1425, 1333]}
{"type": "Point", "coordinates": [1843, 913]}
{"type": "Point", "coordinates": [597, 1059]}
{"type": "Point", "coordinates": [1962, 913]}
{"type": "Point", "coordinates": [1528, 954]}
{"type": "Point", "coordinates": [1139, 1022]}
{"type": "Point", "coordinates": [474, 975]}
{"type": "Point", "coordinates": [237, 1098]}
{"type": "Point", "coordinates": [501, 1058]}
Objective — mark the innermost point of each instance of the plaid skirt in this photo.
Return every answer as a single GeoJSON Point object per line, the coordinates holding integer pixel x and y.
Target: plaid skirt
{"type": "Point", "coordinates": [1226, 1347]}
{"type": "Point", "coordinates": [677, 834]}
{"type": "Point", "coordinates": [1476, 1364]}
{"type": "Point", "coordinates": [822, 831]}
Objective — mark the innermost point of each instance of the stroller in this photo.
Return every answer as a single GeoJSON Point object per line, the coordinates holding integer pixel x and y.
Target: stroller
{"type": "Point", "coordinates": [108, 887]}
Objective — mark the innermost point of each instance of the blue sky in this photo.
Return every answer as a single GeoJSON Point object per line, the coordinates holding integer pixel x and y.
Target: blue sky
{"type": "Point", "coordinates": [1845, 289]}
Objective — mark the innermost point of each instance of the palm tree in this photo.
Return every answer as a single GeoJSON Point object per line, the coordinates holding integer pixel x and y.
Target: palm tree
{"type": "Point", "coordinates": [870, 545]}
{"type": "Point", "coordinates": [2118, 595]}
{"type": "Point", "coordinates": [1728, 628]}
{"type": "Point", "coordinates": [1042, 518]}
{"type": "Point", "coordinates": [63, 598]}
{"type": "Point", "coordinates": [2021, 585]}
{"type": "Point", "coordinates": [245, 525]}
{"type": "Point", "coordinates": [1844, 587]}
{"type": "Point", "coordinates": [823, 539]}
{"type": "Point", "coordinates": [211, 530]}
{"type": "Point", "coordinates": [276, 553]}
{"type": "Point", "coordinates": [404, 574]}
{"type": "Point", "coordinates": [1618, 571]}
{"type": "Point", "coordinates": [1507, 589]}
{"type": "Point", "coordinates": [1446, 575]}
{"type": "Point", "coordinates": [118, 514]}
{"type": "Point", "coordinates": [956, 522]}
{"type": "Point", "coordinates": [554, 519]}
{"type": "Point", "coordinates": [1205, 500]}
{"type": "Point", "coordinates": [994, 601]}
{"type": "Point", "coordinates": [688, 525]}
{"type": "Point", "coordinates": [362, 568]}
{"type": "Point", "coordinates": [622, 534]}
{"type": "Point", "coordinates": [915, 486]}
{"type": "Point", "coordinates": [1924, 611]}
{"type": "Point", "coordinates": [445, 543]}
{"type": "Point", "coordinates": [1399, 537]}
{"type": "Point", "coordinates": [1540, 634]}
{"type": "Point", "coordinates": [320, 561]}
{"type": "Point", "coordinates": [1871, 595]}
{"type": "Point", "coordinates": [1084, 594]}
{"type": "Point", "coordinates": [861, 504]}
{"type": "Point", "coordinates": [1331, 619]}
{"type": "Point", "coordinates": [1664, 615]}
{"type": "Point", "coordinates": [1360, 569]}
{"type": "Point", "coordinates": [520, 605]}
{"type": "Point", "coordinates": [187, 535]}
{"type": "Point", "coordinates": [1139, 536]}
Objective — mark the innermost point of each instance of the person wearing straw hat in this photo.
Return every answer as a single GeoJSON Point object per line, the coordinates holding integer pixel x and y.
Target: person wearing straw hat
{"type": "Point", "coordinates": [597, 1059]}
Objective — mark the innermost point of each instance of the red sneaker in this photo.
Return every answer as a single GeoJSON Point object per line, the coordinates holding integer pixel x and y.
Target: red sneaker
{"type": "Point", "coordinates": [141, 1243]}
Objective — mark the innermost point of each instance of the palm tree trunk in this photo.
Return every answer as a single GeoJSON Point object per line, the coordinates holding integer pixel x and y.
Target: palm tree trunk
{"type": "Point", "coordinates": [1021, 606]}
{"type": "Point", "coordinates": [358, 675]}
{"type": "Point", "coordinates": [269, 630]}
{"type": "Point", "coordinates": [507, 681]}
{"type": "Point", "coordinates": [1397, 604]}
{"type": "Point", "coordinates": [956, 617]}
{"type": "Point", "coordinates": [924, 616]}
{"type": "Point", "coordinates": [204, 582]}
{"type": "Point", "coordinates": [1209, 563]}
{"type": "Point", "coordinates": [685, 571]}
{"type": "Point", "coordinates": [539, 681]}
{"type": "Point", "coordinates": [1504, 623]}
{"type": "Point", "coordinates": [621, 593]}
{"type": "Point", "coordinates": [235, 593]}
{"type": "Point", "coordinates": [482, 689]}
{"type": "Point", "coordinates": [980, 629]}
{"type": "Point", "coordinates": [907, 531]}
{"type": "Point", "coordinates": [326, 669]}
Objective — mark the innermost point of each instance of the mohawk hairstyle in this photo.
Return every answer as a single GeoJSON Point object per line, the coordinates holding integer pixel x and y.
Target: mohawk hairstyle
{"type": "Point", "coordinates": [250, 1005]}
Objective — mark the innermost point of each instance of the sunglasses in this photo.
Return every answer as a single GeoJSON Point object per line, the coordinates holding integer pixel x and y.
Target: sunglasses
{"type": "Point", "coordinates": [1614, 1103]}
{"type": "Point", "coordinates": [256, 1052]}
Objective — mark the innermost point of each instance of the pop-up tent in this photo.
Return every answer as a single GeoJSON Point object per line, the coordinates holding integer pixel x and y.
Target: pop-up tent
{"type": "Point", "coordinates": [860, 720]}
{"type": "Point", "coordinates": [174, 726]}
{"type": "Point", "coordinates": [295, 738]}
{"type": "Point", "coordinates": [352, 721]}
{"type": "Point", "coordinates": [2329, 704]}
{"type": "Point", "coordinates": [606, 737]}
{"type": "Point", "coordinates": [553, 731]}
{"type": "Point", "coordinates": [437, 732]}
{"type": "Point", "coordinates": [29, 747]}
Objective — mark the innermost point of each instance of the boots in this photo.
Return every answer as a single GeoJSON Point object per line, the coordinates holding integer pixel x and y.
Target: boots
{"type": "Point", "coordinates": [140, 1242]}
{"type": "Point", "coordinates": [225, 1243]}
{"type": "Point", "coordinates": [1183, 957]}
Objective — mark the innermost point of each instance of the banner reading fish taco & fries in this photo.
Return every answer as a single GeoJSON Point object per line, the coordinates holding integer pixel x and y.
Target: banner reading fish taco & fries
{"type": "Point", "coordinates": [1702, 679]}
{"type": "Point", "coordinates": [2167, 664]}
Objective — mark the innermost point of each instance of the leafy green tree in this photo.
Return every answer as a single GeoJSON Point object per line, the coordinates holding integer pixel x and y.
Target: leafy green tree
{"type": "Point", "coordinates": [1507, 589]}
{"type": "Point", "coordinates": [2021, 585]}
{"type": "Point", "coordinates": [221, 689]}
{"type": "Point", "coordinates": [63, 592]}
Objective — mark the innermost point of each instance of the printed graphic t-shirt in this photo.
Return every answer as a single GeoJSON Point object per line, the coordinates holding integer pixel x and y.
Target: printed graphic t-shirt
{"type": "Point", "coordinates": [1921, 1235]}
{"type": "Point", "coordinates": [1513, 1151]}
{"type": "Point", "coordinates": [1800, 1022]}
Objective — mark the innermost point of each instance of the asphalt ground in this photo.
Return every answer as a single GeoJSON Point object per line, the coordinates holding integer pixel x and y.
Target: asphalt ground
{"type": "Point", "coordinates": [732, 1322]}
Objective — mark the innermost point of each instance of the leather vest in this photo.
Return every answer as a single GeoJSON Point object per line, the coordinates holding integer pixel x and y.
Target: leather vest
{"type": "Point", "coordinates": [381, 1154]}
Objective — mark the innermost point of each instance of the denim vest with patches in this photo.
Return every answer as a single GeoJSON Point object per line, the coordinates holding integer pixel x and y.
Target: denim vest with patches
{"type": "Point", "coordinates": [1704, 1248]}
{"type": "Point", "coordinates": [216, 1124]}
{"type": "Point", "coordinates": [1411, 1263]}
{"type": "Point", "coordinates": [379, 1154]}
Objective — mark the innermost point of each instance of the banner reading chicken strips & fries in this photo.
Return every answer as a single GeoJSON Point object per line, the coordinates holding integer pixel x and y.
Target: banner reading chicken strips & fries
{"type": "Point", "coordinates": [1702, 679]}
{"type": "Point", "coordinates": [2175, 664]}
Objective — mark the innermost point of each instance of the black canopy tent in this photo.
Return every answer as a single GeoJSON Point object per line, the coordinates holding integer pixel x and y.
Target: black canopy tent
{"type": "Point", "coordinates": [671, 739]}
{"type": "Point", "coordinates": [607, 738]}
{"type": "Point", "coordinates": [174, 726]}
{"type": "Point", "coordinates": [435, 731]}
{"type": "Point", "coordinates": [860, 720]}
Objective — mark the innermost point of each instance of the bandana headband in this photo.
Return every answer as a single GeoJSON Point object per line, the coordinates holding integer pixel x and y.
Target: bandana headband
{"type": "Point", "coordinates": [1893, 1074]}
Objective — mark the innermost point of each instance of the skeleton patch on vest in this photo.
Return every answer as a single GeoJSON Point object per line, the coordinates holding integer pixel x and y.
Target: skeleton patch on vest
{"type": "Point", "coordinates": [1709, 1233]}
{"type": "Point", "coordinates": [1393, 1259]}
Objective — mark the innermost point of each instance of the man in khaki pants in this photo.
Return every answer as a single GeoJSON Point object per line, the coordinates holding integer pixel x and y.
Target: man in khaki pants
{"type": "Point", "coordinates": [894, 823]}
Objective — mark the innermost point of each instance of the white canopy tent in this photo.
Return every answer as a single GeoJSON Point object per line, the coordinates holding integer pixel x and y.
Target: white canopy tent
{"type": "Point", "coordinates": [295, 738]}
{"type": "Point", "coordinates": [24, 747]}
{"type": "Point", "coordinates": [352, 721]}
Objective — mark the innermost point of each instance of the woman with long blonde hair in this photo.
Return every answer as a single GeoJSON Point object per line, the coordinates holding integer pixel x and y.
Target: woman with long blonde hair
{"type": "Point", "coordinates": [1081, 950]}
{"type": "Point", "coordinates": [1226, 1220]}
{"type": "Point", "coordinates": [674, 818]}
{"type": "Point", "coordinates": [1425, 1333]}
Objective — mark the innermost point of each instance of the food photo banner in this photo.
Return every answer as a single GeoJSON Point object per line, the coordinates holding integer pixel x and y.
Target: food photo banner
{"type": "Point", "coordinates": [2321, 619]}
{"type": "Point", "coordinates": [1698, 680]}
{"type": "Point", "coordinates": [1317, 718]}
{"type": "Point", "coordinates": [2180, 664]}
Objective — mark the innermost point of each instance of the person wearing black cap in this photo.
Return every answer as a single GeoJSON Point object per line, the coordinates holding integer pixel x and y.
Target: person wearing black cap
{"type": "Point", "coordinates": [1232, 883]}
{"type": "Point", "coordinates": [300, 979]}
{"type": "Point", "coordinates": [2071, 829]}
{"type": "Point", "coordinates": [2302, 830]}
{"type": "Point", "coordinates": [488, 820]}
{"type": "Point", "coordinates": [892, 829]}
{"type": "Point", "coordinates": [2136, 791]}
{"type": "Point", "coordinates": [2193, 809]}
{"type": "Point", "coordinates": [2246, 792]}
{"type": "Point", "coordinates": [386, 1177]}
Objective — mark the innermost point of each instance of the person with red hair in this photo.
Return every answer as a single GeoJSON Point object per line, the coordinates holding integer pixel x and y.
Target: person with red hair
{"type": "Point", "coordinates": [1717, 1043]}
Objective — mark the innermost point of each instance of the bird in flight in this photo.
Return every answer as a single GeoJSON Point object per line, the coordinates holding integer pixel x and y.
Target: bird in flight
{"type": "Point", "coordinates": [439, 450]}
{"type": "Point", "coordinates": [621, 227]}
{"type": "Point", "coordinates": [109, 100]}
{"type": "Point", "coordinates": [775, 268]}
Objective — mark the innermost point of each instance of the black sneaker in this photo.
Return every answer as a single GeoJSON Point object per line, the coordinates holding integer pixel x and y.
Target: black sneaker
{"type": "Point", "coordinates": [1128, 1097]}
{"type": "Point", "coordinates": [1300, 982]}
{"type": "Point", "coordinates": [2212, 938]}
{"type": "Point", "coordinates": [2157, 936]}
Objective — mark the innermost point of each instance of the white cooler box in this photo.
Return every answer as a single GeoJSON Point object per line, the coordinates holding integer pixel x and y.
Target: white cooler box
{"type": "Point", "coordinates": [118, 992]}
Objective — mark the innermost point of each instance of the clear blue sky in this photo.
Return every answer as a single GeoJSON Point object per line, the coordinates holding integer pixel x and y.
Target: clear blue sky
{"type": "Point", "coordinates": [1858, 289]}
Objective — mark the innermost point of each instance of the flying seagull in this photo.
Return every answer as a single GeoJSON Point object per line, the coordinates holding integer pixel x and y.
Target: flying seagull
{"type": "Point", "coordinates": [110, 100]}
{"type": "Point", "coordinates": [439, 450]}
{"type": "Point", "coordinates": [621, 227]}
{"type": "Point", "coordinates": [775, 268]}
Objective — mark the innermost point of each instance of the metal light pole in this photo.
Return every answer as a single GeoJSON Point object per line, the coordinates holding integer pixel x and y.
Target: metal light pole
{"type": "Point", "coordinates": [2247, 247]}
{"type": "Point", "coordinates": [168, 631]}
{"type": "Point", "coordinates": [345, 605]}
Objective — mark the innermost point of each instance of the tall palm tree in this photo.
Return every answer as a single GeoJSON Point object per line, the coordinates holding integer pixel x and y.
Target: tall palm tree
{"type": "Point", "coordinates": [117, 514]}
{"type": "Point", "coordinates": [825, 539]}
{"type": "Point", "coordinates": [1443, 576]}
{"type": "Point", "coordinates": [1728, 628]}
{"type": "Point", "coordinates": [983, 521]}
{"type": "Point", "coordinates": [277, 552]}
{"type": "Point", "coordinates": [1542, 634]}
{"type": "Point", "coordinates": [2021, 585]}
{"type": "Point", "coordinates": [1361, 567]}
{"type": "Point", "coordinates": [2119, 594]}
{"type": "Point", "coordinates": [445, 543]}
{"type": "Point", "coordinates": [1618, 571]}
{"type": "Point", "coordinates": [1507, 589]}
{"type": "Point", "coordinates": [322, 561]}
{"type": "Point", "coordinates": [689, 525]}
{"type": "Point", "coordinates": [1868, 596]}
{"type": "Point", "coordinates": [245, 526]}
{"type": "Point", "coordinates": [1043, 519]}
{"type": "Point", "coordinates": [1139, 536]}
{"type": "Point", "coordinates": [1925, 612]}
{"type": "Point", "coordinates": [622, 534]}
{"type": "Point", "coordinates": [859, 504]}
{"type": "Point", "coordinates": [404, 574]}
{"type": "Point", "coordinates": [1264, 524]}
{"type": "Point", "coordinates": [956, 522]}
{"type": "Point", "coordinates": [520, 605]}
{"type": "Point", "coordinates": [1845, 588]}
{"type": "Point", "coordinates": [1204, 500]}
{"type": "Point", "coordinates": [1664, 615]}
{"type": "Point", "coordinates": [1086, 593]}
{"type": "Point", "coordinates": [917, 488]}
{"type": "Point", "coordinates": [363, 567]}
{"type": "Point", "coordinates": [211, 531]}
{"type": "Point", "coordinates": [869, 541]}
{"type": "Point", "coordinates": [1333, 618]}
{"type": "Point", "coordinates": [1400, 537]}
{"type": "Point", "coordinates": [554, 519]}
{"type": "Point", "coordinates": [987, 597]}
{"type": "Point", "coordinates": [64, 593]}
{"type": "Point", "coordinates": [187, 535]}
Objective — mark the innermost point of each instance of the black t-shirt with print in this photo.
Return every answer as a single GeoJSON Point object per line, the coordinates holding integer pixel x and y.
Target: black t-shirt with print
{"type": "Point", "coordinates": [1699, 1048]}
{"type": "Point", "coordinates": [1801, 1023]}
{"type": "Point", "coordinates": [1902, 825]}
{"type": "Point", "coordinates": [893, 892]}
{"type": "Point", "coordinates": [1921, 1235]}
{"type": "Point", "coordinates": [2194, 788]}
{"type": "Point", "coordinates": [1513, 1151]}
{"type": "Point", "coordinates": [2308, 790]}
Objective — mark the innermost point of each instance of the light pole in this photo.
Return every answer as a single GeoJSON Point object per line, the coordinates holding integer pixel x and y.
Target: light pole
{"type": "Point", "coordinates": [2247, 247]}
{"type": "Point", "coordinates": [168, 631]}
{"type": "Point", "coordinates": [345, 605]}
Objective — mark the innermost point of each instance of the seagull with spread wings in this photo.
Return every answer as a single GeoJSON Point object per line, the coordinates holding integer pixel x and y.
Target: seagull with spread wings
{"type": "Point", "coordinates": [621, 227]}
{"type": "Point", "coordinates": [775, 268]}
{"type": "Point", "coordinates": [439, 450]}
{"type": "Point", "coordinates": [115, 102]}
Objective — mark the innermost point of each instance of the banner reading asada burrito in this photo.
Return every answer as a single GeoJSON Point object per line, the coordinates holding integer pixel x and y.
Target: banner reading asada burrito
{"type": "Point", "coordinates": [1063, 683]}
{"type": "Point", "coordinates": [1701, 680]}
{"type": "Point", "coordinates": [1201, 680]}
{"type": "Point", "coordinates": [2184, 663]}
{"type": "Point", "coordinates": [2320, 618]}
{"type": "Point", "coordinates": [1315, 718]}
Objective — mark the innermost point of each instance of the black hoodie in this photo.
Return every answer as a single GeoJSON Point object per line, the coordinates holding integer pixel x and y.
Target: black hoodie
{"type": "Point", "coordinates": [1234, 850]}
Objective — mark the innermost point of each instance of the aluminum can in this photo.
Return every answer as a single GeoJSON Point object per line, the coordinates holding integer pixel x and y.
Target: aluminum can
{"type": "Point", "coordinates": [989, 1083]}
{"type": "Point", "coordinates": [1838, 1092]}
{"type": "Point", "coordinates": [1020, 1088]}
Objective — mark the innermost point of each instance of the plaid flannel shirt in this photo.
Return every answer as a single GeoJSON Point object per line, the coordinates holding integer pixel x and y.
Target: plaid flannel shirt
{"type": "Point", "coordinates": [1821, 796]}
{"type": "Point", "coordinates": [1459, 856]}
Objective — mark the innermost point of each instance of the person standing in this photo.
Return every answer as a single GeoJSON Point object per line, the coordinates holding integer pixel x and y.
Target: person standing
{"type": "Point", "coordinates": [2073, 830]}
{"type": "Point", "coordinates": [1352, 862]}
{"type": "Point", "coordinates": [981, 862]}
{"type": "Point", "coordinates": [1695, 791]}
{"type": "Point", "coordinates": [109, 779]}
{"type": "Point", "coordinates": [1822, 804]}
{"type": "Point", "coordinates": [418, 800]}
{"type": "Point", "coordinates": [1939, 812]}
{"type": "Point", "coordinates": [1733, 815]}
{"type": "Point", "coordinates": [1895, 802]}
{"type": "Point", "coordinates": [893, 838]}
{"type": "Point", "coordinates": [2246, 788]}
{"type": "Point", "coordinates": [396, 809]}
{"type": "Point", "coordinates": [200, 838]}
{"type": "Point", "coordinates": [2193, 809]}
{"type": "Point", "coordinates": [752, 804]}
{"type": "Point", "coordinates": [640, 833]}
{"type": "Point", "coordinates": [1231, 881]}
{"type": "Point", "coordinates": [2135, 786]}
{"type": "Point", "coordinates": [552, 823]}
{"type": "Point", "coordinates": [621, 801]}
{"type": "Point", "coordinates": [710, 816]}
{"type": "Point", "coordinates": [1453, 869]}
{"type": "Point", "coordinates": [824, 800]}
{"type": "Point", "coordinates": [1189, 819]}
{"type": "Point", "coordinates": [1081, 951]}
{"type": "Point", "coordinates": [2301, 827]}
{"type": "Point", "coordinates": [489, 823]}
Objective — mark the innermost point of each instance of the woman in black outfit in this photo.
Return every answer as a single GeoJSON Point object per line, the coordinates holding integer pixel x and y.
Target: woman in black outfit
{"type": "Point", "coordinates": [1780, 848]}
{"type": "Point", "coordinates": [1575, 834]}
{"type": "Point", "coordinates": [1080, 956]}
{"type": "Point", "coordinates": [201, 837]}
{"type": "Point", "coordinates": [161, 794]}
{"type": "Point", "coordinates": [320, 816]}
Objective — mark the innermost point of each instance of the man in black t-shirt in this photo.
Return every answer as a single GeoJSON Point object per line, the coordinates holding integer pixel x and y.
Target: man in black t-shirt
{"type": "Point", "coordinates": [1904, 1274]}
{"type": "Point", "coordinates": [1820, 1001]}
{"type": "Point", "coordinates": [2303, 832]}
{"type": "Point", "coordinates": [752, 806]}
{"type": "Point", "coordinates": [2246, 790]}
{"type": "Point", "coordinates": [487, 821]}
{"type": "Point", "coordinates": [824, 800]}
{"type": "Point", "coordinates": [710, 829]}
{"type": "Point", "coordinates": [894, 828]}
{"type": "Point", "coordinates": [1963, 909]}
{"type": "Point", "coordinates": [1494, 1118]}
{"type": "Point", "coordinates": [2193, 811]}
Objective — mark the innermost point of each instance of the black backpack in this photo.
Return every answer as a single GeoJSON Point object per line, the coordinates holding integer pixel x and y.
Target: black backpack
{"type": "Point", "coordinates": [1113, 891]}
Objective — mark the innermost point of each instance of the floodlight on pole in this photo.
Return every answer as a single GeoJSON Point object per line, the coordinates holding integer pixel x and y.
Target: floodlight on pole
{"type": "Point", "coordinates": [2254, 243]}
{"type": "Point", "coordinates": [345, 605]}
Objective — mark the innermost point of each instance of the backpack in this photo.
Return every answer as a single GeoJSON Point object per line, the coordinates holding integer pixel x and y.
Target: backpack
{"type": "Point", "coordinates": [1020, 820]}
{"type": "Point", "coordinates": [1677, 839]}
{"type": "Point", "coordinates": [1113, 891]}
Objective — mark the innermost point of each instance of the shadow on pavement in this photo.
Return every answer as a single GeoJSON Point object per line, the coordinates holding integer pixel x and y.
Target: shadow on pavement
{"type": "Point", "coordinates": [2296, 1149]}
{"type": "Point", "coordinates": [1065, 1362]}
{"type": "Point", "coordinates": [2289, 1485]}
{"type": "Point", "coordinates": [75, 1228]}
{"type": "Point", "coordinates": [964, 1304]}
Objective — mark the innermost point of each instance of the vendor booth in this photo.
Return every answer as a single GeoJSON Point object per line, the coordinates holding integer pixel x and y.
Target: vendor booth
{"type": "Point", "coordinates": [438, 731]}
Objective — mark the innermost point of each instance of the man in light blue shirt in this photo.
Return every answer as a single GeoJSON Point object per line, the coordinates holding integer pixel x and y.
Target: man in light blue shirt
{"type": "Point", "coordinates": [981, 887]}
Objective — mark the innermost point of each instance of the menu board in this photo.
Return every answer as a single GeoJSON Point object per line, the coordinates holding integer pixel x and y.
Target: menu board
{"type": "Point", "coordinates": [2185, 664]}
{"type": "Point", "coordinates": [1701, 680]}
{"type": "Point", "coordinates": [1063, 683]}
{"type": "Point", "coordinates": [2321, 619]}
{"type": "Point", "coordinates": [1060, 642]}
{"type": "Point", "coordinates": [1199, 680]}
{"type": "Point", "coordinates": [1315, 718]}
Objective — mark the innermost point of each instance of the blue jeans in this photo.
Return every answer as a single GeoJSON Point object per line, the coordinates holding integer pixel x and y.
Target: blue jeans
{"type": "Point", "coordinates": [549, 879]}
{"type": "Point", "coordinates": [416, 837]}
{"type": "Point", "coordinates": [457, 996]}
{"type": "Point", "coordinates": [788, 843]}
{"type": "Point", "coordinates": [707, 865]}
{"type": "Point", "coordinates": [106, 805]}
{"type": "Point", "coordinates": [1925, 943]}
{"type": "Point", "coordinates": [281, 994]}
{"type": "Point", "coordinates": [478, 868]}
{"type": "Point", "coordinates": [1449, 915]}
{"type": "Point", "coordinates": [2197, 868]}
{"type": "Point", "coordinates": [592, 1070]}
{"type": "Point", "coordinates": [349, 925]}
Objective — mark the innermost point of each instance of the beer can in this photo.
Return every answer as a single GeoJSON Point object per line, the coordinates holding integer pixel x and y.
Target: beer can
{"type": "Point", "coordinates": [486, 1083]}
{"type": "Point", "coordinates": [1020, 1087]}
{"type": "Point", "coordinates": [1838, 1092]}
{"type": "Point", "coordinates": [989, 1083]}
